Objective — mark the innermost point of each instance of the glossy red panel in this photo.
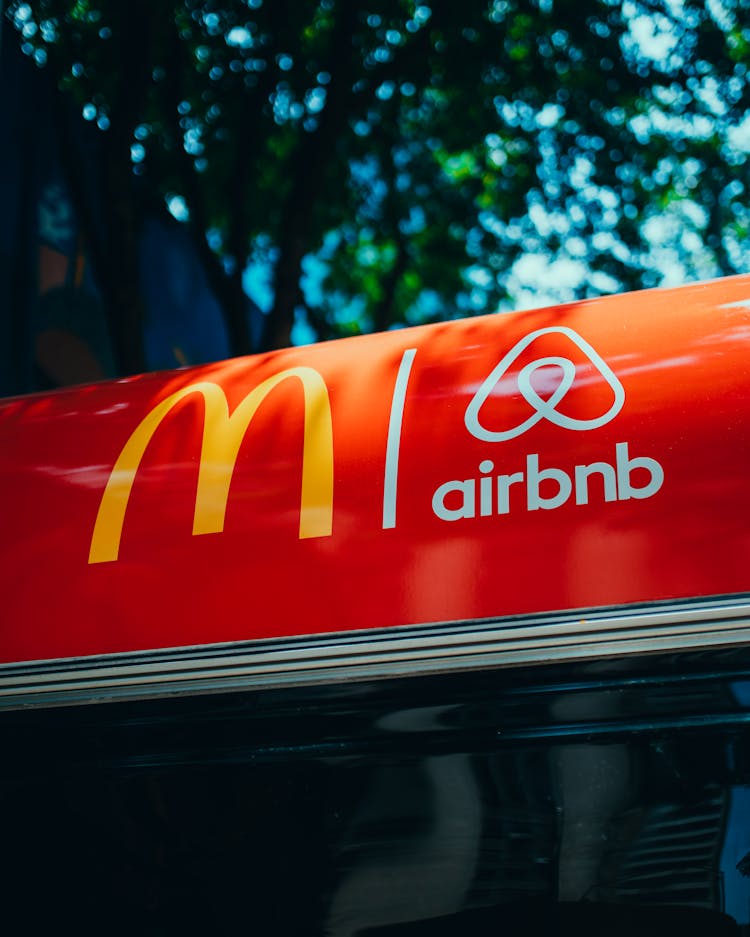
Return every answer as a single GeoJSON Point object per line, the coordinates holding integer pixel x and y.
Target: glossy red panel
{"type": "Point", "coordinates": [587, 455]}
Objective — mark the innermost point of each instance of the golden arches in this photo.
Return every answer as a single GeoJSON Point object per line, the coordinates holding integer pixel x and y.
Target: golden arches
{"type": "Point", "coordinates": [222, 437]}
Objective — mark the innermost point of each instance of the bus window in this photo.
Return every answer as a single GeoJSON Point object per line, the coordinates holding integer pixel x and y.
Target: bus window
{"type": "Point", "coordinates": [607, 798]}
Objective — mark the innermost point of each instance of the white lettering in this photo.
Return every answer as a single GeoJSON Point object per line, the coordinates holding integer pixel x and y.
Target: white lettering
{"type": "Point", "coordinates": [625, 465]}
{"type": "Point", "coordinates": [534, 477]}
{"type": "Point", "coordinates": [485, 489]}
{"type": "Point", "coordinates": [503, 490]}
{"type": "Point", "coordinates": [465, 489]}
{"type": "Point", "coordinates": [549, 487]}
{"type": "Point", "coordinates": [584, 472]}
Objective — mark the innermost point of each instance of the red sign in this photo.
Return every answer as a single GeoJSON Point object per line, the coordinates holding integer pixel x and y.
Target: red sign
{"type": "Point", "coordinates": [582, 456]}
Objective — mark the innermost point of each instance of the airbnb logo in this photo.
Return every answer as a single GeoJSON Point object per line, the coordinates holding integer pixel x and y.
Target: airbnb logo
{"type": "Point", "coordinates": [543, 409]}
{"type": "Point", "coordinates": [546, 488]}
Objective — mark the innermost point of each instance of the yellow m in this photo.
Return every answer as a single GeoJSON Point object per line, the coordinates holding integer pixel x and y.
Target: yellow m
{"type": "Point", "coordinates": [222, 437]}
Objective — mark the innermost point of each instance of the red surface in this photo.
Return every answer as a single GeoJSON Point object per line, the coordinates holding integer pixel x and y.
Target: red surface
{"type": "Point", "coordinates": [682, 358]}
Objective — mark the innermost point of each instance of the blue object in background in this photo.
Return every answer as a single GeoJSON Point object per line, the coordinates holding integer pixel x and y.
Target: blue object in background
{"type": "Point", "coordinates": [183, 319]}
{"type": "Point", "coordinates": [184, 323]}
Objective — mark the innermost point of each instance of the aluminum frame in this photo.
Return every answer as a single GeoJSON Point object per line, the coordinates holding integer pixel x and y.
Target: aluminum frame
{"type": "Point", "coordinates": [367, 655]}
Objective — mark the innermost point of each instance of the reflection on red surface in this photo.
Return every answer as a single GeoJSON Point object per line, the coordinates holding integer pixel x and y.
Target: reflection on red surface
{"type": "Point", "coordinates": [586, 455]}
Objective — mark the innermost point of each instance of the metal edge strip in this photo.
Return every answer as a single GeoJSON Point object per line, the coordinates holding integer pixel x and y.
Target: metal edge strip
{"type": "Point", "coordinates": [407, 651]}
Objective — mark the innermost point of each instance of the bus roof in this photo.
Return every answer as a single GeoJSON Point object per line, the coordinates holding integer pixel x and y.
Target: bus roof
{"type": "Point", "coordinates": [563, 481]}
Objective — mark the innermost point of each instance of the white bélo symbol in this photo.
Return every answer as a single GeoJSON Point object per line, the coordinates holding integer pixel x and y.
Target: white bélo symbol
{"type": "Point", "coordinates": [543, 409]}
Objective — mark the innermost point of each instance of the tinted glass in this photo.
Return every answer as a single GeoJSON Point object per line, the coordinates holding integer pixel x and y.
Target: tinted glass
{"type": "Point", "coordinates": [580, 800]}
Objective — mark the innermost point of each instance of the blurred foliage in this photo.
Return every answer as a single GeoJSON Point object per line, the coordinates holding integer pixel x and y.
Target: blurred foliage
{"type": "Point", "coordinates": [400, 161]}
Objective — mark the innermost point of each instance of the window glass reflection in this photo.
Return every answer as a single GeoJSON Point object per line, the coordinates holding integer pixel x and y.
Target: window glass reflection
{"type": "Point", "coordinates": [610, 806]}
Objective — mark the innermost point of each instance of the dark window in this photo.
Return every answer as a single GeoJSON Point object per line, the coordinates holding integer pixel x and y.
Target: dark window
{"type": "Point", "coordinates": [602, 798]}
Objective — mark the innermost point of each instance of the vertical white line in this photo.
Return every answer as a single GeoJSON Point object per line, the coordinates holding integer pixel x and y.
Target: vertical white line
{"type": "Point", "coordinates": [390, 481]}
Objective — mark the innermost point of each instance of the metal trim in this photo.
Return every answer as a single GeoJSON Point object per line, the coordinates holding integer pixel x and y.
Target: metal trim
{"type": "Point", "coordinates": [397, 652]}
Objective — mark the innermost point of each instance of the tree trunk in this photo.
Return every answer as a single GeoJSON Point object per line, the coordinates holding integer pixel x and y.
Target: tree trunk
{"type": "Point", "coordinates": [122, 294]}
{"type": "Point", "coordinates": [314, 154]}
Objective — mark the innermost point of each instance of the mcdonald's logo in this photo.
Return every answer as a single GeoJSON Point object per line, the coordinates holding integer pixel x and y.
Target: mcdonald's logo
{"type": "Point", "coordinates": [222, 437]}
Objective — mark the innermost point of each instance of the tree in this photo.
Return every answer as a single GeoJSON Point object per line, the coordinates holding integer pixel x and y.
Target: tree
{"type": "Point", "coordinates": [402, 161]}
